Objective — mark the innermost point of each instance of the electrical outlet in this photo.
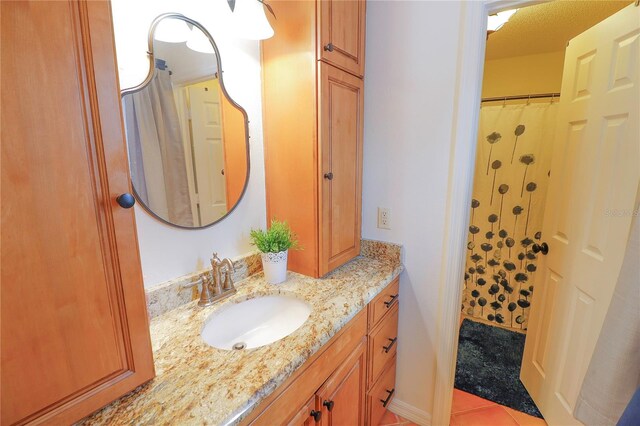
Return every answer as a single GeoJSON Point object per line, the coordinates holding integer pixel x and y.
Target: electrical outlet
{"type": "Point", "coordinates": [384, 218]}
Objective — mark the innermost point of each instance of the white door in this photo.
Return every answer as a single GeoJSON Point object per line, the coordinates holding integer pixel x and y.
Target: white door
{"type": "Point", "coordinates": [594, 179]}
{"type": "Point", "coordinates": [208, 150]}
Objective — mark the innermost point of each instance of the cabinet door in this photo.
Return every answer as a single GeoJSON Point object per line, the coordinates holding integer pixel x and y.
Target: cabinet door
{"type": "Point", "coordinates": [74, 325]}
{"type": "Point", "coordinates": [340, 129]}
{"type": "Point", "coordinates": [342, 34]}
{"type": "Point", "coordinates": [342, 397]}
{"type": "Point", "coordinates": [309, 415]}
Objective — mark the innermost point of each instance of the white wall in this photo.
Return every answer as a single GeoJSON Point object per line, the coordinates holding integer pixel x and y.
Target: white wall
{"type": "Point", "coordinates": [169, 252]}
{"type": "Point", "coordinates": [411, 62]}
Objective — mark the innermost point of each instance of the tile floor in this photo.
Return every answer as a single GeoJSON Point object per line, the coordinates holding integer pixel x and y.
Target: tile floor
{"type": "Point", "coordinates": [390, 419]}
{"type": "Point", "coordinates": [471, 410]}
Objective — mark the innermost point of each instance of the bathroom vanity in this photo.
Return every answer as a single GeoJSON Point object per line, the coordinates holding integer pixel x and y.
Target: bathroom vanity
{"type": "Point", "coordinates": [338, 355]}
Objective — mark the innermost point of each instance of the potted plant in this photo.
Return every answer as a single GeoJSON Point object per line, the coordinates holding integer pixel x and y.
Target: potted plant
{"type": "Point", "coordinates": [274, 244]}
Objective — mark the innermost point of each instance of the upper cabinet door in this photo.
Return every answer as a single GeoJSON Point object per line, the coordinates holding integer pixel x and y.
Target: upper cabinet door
{"type": "Point", "coordinates": [342, 33]}
{"type": "Point", "coordinates": [341, 118]}
{"type": "Point", "coordinates": [75, 333]}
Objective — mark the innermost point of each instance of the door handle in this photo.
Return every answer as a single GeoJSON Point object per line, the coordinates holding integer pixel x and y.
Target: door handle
{"type": "Point", "coordinates": [390, 345]}
{"type": "Point", "coordinates": [328, 176]}
{"type": "Point", "coordinates": [388, 398]}
{"type": "Point", "coordinates": [328, 404]}
{"type": "Point", "coordinates": [542, 248]}
{"type": "Point", "coordinates": [329, 47]}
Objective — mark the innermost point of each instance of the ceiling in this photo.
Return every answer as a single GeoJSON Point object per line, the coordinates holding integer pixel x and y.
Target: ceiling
{"type": "Point", "coordinates": [547, 27]}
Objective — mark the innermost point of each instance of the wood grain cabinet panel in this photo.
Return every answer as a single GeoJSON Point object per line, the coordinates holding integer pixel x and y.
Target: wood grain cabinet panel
{"type": "Point", "coordinates": [307, 414]}
{"type": "Point", "coordinates": [342, 34]}
{"type": "Point", "coordinates": [383, 343]}
{"type": "Point", "coordinates": [342, 396]}
{"type": "Point", "coordinates": [383, 302]}
{"type": "Point", "coordinates": [313, 121]}
{"type": "Point", "coordinates": [341, 118]}
{"type": "Point", "coordinates": [381, 394]}
{"type": "Point", "coordinates": [75, 333]}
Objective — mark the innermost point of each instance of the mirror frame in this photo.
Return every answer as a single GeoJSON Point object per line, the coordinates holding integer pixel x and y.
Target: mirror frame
{"type": "Point", "coordinates": [147, 80]}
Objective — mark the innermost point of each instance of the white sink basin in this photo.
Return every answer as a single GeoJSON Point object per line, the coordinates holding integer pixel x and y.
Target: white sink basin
{"type": "Point", "coordinates": [255, 322]}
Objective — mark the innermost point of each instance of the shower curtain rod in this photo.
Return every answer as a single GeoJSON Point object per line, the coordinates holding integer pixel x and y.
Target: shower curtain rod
{"type": "Point", "coordinates": [518, 97]}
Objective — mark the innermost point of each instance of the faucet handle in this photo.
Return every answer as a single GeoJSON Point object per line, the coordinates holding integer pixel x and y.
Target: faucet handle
{"type": "Point", "coordinates": [228, 280]}
{"type": "Point", "coordinates": [205, 292]}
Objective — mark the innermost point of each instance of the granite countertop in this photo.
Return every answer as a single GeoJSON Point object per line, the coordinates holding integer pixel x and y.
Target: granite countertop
{"type": "Point", "coordinates": [199, 384]}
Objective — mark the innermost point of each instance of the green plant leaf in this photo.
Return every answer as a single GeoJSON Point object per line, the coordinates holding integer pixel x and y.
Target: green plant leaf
{"type": "Point", "coordinates": [277, 238]}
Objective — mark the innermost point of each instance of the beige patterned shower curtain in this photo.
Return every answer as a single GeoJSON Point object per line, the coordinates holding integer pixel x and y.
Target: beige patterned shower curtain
{"type": "Point", "coordinates": [510, 184]}
{"type": "Point", "coordinates": [156, 153]}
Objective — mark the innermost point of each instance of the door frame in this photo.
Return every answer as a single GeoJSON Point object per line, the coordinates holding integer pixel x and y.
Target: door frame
{"type": "Point", "coordinates": [467, 96]}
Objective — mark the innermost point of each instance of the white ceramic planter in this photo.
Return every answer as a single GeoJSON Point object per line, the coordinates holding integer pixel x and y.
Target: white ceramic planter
{"type": "Point", "coordinates": [275, 266]}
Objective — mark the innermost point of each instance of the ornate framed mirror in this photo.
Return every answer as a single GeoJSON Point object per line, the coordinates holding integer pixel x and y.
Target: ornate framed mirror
{"type": "Point", "coordinates": [188, 140]}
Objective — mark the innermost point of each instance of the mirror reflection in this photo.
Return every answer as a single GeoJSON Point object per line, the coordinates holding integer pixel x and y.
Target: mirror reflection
{"type": "Point", "coordinates": [187, 139]}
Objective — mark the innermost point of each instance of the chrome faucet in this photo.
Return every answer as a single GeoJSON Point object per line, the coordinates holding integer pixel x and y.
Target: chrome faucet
{"type": "Point", "coordinates": [217, 284]}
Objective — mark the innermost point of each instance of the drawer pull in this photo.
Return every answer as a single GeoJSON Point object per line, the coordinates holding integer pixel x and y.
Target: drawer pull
{"type": "Point", "coordinates": [328, 404]}
{"type": "Point", "coordinates": [386, 401]}
{"type": "Point", "coordinates": [317, 415]}
{"type": "Point", "coordinates": [390, 345]}
{"type": "Point", "coordinates": [389, 302]}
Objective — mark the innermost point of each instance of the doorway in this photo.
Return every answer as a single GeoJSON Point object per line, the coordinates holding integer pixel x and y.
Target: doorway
{"type": "Point", "coordinates": [505, 239]}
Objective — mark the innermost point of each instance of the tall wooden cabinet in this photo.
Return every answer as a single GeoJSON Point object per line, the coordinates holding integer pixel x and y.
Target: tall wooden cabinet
{"type": "Point", "coordinates": [313, 120]}
{"type": "Point", "coordinates": [74, 325]}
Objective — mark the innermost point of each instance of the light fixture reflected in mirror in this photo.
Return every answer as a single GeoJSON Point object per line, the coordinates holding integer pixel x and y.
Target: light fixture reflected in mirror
{"type": "Point", "coordinates": [173, 31]}
{"type": "Point", "coordinates": [496, 21]}
{"type": "Point", "coordinates": [199, 42]}
{"type": "Point", "coordinates": [250, 19]}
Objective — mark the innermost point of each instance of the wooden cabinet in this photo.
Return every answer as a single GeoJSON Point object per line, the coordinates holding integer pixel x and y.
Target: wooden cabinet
{"type": "Point", "coordinates": [382, 337]}
{"type": "Point", "coordinates": [307, 414]}
{"type": "Point", "coordinates": [381, 394]}
{"type": "Point", "coordinates": [340, 132]}
{"type": "Point", "coordinates": [383, 343]}
{"type": "Point", "coordinates": [332, 388]}
{"type": "Point", "coordinates": [342, 395]}
{"type": "Point", "coordinates": [341, 34]}
{"type": "Point", "coordinates": [75, 333]}
{"type": "Point", "coordinates": [313, 123]}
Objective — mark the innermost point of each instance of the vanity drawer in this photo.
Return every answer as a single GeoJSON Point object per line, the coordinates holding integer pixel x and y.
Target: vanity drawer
{"type": "Point", "coordinates": [383, 303]}
{"type": "Point", "coordinates": [383, 343]}
{"type": "Point", "coordinates": [381, 394]}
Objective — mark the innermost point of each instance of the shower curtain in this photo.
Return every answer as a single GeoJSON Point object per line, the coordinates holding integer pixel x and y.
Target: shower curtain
{"type": "Point", "coordinates": [510, 184]}
{"type": "Point", "coordinates": [156, 153]}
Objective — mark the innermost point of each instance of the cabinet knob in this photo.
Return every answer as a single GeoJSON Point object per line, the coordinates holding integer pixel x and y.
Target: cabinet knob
{"type": "Point", "coordinates": [542, 248]}
{"type": "Point", "coordinates": [317, 415]}
{"type": "Point", "coordinates": [329, 47]}
{"type": "Point", "coordinates": [125, 200]}
{"type": "Point", "coordinates": [328, 176]}
{"type": "Point", "coordinates": [328, 404]}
